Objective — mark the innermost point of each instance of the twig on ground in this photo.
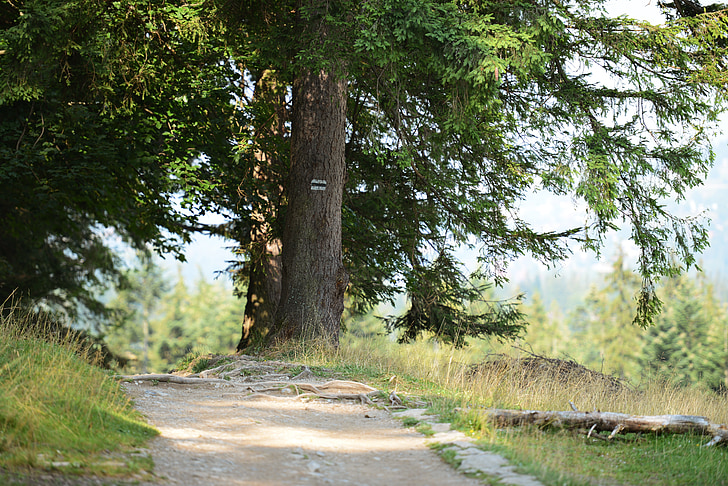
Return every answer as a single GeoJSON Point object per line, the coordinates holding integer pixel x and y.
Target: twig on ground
{"type": "Point", "coordinates": [616, 430]}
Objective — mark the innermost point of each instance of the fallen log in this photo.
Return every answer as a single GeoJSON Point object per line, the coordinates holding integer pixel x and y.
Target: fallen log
{"type": "Point", "coordinates": [612, 422]}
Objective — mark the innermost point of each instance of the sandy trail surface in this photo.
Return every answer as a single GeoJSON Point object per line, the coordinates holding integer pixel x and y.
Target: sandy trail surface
{"type": "Point", "coordinates": [228, 434]}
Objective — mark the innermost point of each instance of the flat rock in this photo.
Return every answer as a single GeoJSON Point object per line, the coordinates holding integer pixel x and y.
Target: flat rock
{"type": "Point", "coordinates": [417, 413]}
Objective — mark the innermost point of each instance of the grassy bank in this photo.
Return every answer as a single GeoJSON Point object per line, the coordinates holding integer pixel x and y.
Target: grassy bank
{"type": "Point", "coordinates": [448, 380]}
{"type": "Point", "coordinates": [57, 411]}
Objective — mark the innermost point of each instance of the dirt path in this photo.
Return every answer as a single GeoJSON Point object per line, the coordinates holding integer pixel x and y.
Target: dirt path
{"type": "Point", "coordinates": [225, 434]}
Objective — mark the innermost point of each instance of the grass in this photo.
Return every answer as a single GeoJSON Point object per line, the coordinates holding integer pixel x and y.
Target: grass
{"type": "Point", "coordinates": [58, 411]}
{"type": "Point", "coordinates": [444, 379]}
{"type": "Point", "coordinates": [566, 457]}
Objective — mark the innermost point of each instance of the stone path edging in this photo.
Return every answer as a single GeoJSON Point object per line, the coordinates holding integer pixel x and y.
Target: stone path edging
{"type": "Point", "coordinates": [472, 460]}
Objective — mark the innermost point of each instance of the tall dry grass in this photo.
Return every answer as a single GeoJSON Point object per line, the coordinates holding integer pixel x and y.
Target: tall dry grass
{"type": "Point", "coordinates": [455, 372]}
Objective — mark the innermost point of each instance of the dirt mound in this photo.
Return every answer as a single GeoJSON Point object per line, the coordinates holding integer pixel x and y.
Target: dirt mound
{"type": "Point", "coordinates": [533, 368]}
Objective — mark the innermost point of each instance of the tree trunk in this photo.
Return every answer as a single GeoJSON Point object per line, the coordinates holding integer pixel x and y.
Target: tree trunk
{"type": "Point", "coordinates": [314, 279]}
{"type": "Point", "coordinates": [264, 277]}
{"type": "Point", "coordinates": [264, 288]}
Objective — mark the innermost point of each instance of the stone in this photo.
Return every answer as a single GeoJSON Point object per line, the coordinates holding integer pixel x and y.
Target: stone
{"type": "Point", "coordinates": [417, 413]}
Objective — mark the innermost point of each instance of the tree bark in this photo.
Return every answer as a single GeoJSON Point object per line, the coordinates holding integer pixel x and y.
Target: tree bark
{"type": "Point", "coordinates": [264, 277]}
{"type": "Point", "coordinates": [314, 278]}
{"type": "Point", "coordinates": [264, 288]}
{"type": "Point", "coordinates": [612, 422]}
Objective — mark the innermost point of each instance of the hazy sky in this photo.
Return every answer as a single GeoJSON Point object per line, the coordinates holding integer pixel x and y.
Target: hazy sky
{"type": "Point", "coordinates": [637, 9]}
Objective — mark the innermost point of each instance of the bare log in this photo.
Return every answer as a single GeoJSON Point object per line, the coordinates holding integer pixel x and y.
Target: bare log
{"type": "Point", "coordinates": [612, 422]}
{"type": "Point", "coordinates": [182, 380]}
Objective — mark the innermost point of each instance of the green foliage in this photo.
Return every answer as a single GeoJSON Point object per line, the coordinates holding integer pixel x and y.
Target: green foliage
{"type": "Point", "coordinates": [185, 361]}
{"type": "Point", "coordinates": [200, 364]}
{"type": "Point", "coordinates": [687, 344]}
{"type": "Point", "coordinates": [410, 421]}
{"type": "Point", "coordinates": [181, 322]}
{"type": "Point", "coordinates": [439, 303]}
{"type": "Point", "coordinates": [57, 407]}
{"type": "Point", "coordinates": [104, 109]}
{"type": "Point", "coordinates": [428, 154]}
{"type": "Point", "coordinates": [495, 105]}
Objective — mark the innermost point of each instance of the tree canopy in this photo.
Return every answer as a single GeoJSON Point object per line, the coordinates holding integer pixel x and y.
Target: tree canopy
{"type": "Point", "coordinates": [455, 112]}
{"type": "Point", "coordinates": [104, 109]}
{"type": "Point", "coordinates": [458, 111]}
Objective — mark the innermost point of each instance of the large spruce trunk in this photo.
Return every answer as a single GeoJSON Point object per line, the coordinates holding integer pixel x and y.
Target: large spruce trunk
{"type": "Point", "coordinates": [314, 279]}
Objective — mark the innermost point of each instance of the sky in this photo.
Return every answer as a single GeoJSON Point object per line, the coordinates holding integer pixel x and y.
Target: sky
{"type": "Point", "coordinates": [208, 255]}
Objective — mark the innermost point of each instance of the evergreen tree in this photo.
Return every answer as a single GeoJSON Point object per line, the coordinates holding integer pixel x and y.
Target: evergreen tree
{"type": "Point", "coordinates": [178, 320]}
{"type": "Point", "coordinates": [547, 333]}
{"type": "Point", "coordinates": [686, 344]}
{"type": "Point", "coordinates": [136, 307]}
{"type": "Point", "coordinates": [716, 357]}
{"type": "Point", "coordinates": [715, 367]}
{"type": "Point", "coordinates": [105, 110]}
{"type": "Point", "coordinates": [604, 323]}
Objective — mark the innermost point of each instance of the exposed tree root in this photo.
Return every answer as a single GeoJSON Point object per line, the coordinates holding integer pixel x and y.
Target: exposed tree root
{"type": "Point", "coordinates": [219, 369]}
{"type": "Point", "coordinates": [332, 390]}
{"type": "Point", "coordinates": [363, 398]}
{"type": "Point", "coordinates": [182, 380]}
